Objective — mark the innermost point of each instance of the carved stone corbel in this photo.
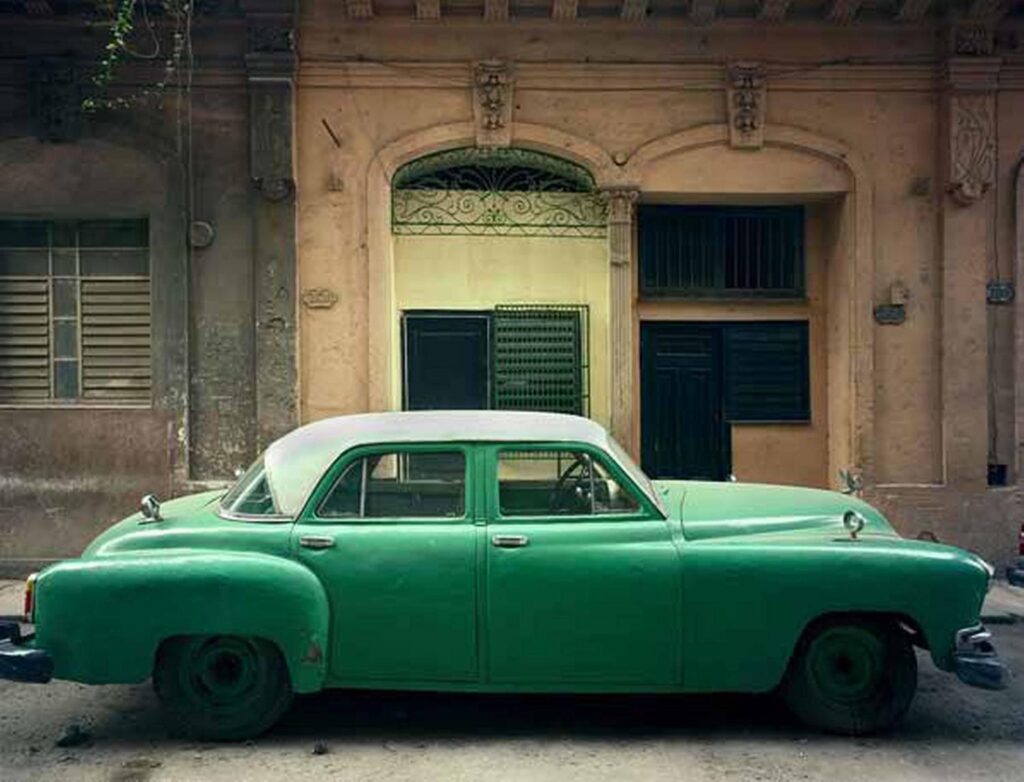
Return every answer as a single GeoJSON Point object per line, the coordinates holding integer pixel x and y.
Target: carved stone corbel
{"type": "Point", "coordinates": [970, 119]}
{"type": "Point", "coordinates": [493, 85]}
{"type": "Point", "coordinates": [746, 95]}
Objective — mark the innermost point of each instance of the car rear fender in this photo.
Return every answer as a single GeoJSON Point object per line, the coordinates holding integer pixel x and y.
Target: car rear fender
{"type": "Point", "coordinates": [103, 619]}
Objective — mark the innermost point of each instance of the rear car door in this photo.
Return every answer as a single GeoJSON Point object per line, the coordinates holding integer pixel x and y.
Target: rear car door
{"type": "Point", "coordinates": [584, 583]}
{"type": "Point", "coordinates": [390, 533]}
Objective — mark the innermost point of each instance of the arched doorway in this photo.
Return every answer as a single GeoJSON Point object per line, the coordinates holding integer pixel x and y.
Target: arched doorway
{"type": "Point", "coordinates": [500, 283]}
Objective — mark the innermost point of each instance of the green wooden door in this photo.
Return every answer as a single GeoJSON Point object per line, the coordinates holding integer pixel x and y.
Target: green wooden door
{"type": "Point", "coordinates": [583, 580]}
{"type": "Point", "coordinates": [392, 538]}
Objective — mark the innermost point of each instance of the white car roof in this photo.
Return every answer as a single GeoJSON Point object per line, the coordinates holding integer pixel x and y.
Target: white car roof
{"type": "Point", "coordinates": [295, 463]}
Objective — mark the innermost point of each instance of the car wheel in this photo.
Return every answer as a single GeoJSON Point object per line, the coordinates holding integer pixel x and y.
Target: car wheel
{"type": "Point", "coordinates": [221, 688]}
{"type": "Point", "coordinates": [852, 676]}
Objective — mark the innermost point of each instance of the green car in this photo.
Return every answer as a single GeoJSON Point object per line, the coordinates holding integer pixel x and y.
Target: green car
{"type": "Point", "coordinates": [500, 552]}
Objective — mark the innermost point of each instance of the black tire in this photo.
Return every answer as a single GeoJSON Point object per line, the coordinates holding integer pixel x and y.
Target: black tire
{"type": "Point", "coordinates": [852, 675]}
{"type": "Point", "coordinates": [221, 688]}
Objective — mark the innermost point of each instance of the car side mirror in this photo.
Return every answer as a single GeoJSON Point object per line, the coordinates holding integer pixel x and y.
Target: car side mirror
{"type": "Point", "coordinates": [150, 507]}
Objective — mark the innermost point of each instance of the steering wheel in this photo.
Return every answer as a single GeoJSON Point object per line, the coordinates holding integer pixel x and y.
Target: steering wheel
{"type": "Point", "coordinates": [572, 487]}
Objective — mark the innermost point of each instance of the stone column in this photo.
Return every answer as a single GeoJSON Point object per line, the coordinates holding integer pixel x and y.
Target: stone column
{"type": "Point", "coordinates": [621, 203]}
{"type": "Point", "coordinates": [967, 218]}
{"type": "Point", "coordinates": [271, 69]}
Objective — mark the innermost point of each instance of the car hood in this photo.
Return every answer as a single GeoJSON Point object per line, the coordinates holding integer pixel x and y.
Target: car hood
{"type": "Point", "coordinates": [714, 510]}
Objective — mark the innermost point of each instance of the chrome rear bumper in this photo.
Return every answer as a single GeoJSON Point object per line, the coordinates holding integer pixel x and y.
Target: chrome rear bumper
{"type": "Point", "coordinates": [976, 660]}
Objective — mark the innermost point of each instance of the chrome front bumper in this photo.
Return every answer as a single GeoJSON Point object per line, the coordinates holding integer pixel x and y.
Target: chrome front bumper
{"type": "Point", "coordinates": [976, 660]}
{"type": "Point", "coordinates": [20, 661]}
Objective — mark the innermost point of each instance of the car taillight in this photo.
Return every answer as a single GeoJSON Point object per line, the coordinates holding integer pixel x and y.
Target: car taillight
{"type": "Point", "coordinates": [30, 597]}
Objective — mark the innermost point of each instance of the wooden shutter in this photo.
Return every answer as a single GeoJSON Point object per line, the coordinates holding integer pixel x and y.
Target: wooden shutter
{"type": "Point", "coordinates": [116, 352]}
{"type": "Point", "coordinates": [540, 359]}
{"type": "Point", "coordinates": [24, 339]}
{"type": "Point", "coordinates": [767, 372]}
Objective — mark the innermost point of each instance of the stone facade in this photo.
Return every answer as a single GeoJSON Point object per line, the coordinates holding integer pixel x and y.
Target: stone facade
{"type": "Point", "coordinates": [902, 136]}
{"type": "Point", "coordinates": [222, 261]}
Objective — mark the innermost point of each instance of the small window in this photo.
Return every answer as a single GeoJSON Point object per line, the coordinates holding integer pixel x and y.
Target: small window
{"type": "Point", "coordinates": [721, 251]}
{"type": "Point", "coordinates": [396, 485]}
{"type": "Point", "coordinates": [559, 483]}
{"type": "Point", "coordinates": [251, 494]}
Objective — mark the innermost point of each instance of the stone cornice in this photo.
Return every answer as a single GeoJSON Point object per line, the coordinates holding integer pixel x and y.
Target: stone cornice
{"type": "Point", "coordinates": [612, 77]}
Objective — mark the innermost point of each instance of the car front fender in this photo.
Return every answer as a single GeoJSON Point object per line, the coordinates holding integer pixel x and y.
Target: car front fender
{"type": "Point", "coordinates": [103, 619]}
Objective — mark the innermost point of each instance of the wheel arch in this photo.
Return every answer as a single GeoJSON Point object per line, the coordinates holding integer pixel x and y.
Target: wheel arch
{"type": "Point", "coordinates": [104, 620]}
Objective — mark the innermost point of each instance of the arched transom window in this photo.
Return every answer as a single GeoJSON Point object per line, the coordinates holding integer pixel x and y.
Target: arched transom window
{"type": "Point", "coordinates": [496, 192]}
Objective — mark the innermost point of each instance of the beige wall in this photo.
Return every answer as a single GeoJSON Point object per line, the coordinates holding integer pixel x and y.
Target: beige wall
{"type": "Point", "coordinates": [647, 110]}
{"type": "Point", "coordinates": [478, 272]}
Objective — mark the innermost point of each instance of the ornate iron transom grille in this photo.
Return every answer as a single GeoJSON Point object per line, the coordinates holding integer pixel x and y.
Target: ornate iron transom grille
{"type": "Point", "coordinates": [496, 192]}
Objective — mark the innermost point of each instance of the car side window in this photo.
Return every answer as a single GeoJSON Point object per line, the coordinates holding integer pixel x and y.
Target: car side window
{"type": "Point", "coordinates": [399, 485]}
{"type": "Point", "coordinates": [559, 483]}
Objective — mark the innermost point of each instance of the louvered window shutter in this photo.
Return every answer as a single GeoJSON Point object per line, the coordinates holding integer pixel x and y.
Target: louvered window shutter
{"type": "Point", "coordinates": [767, 373]}
{"type": "Point", "coordinates": [75, 311]}
{"type": "Point", "coordinates": [539, 359]}
{"type": "Point", "coordinates": [24, 340]}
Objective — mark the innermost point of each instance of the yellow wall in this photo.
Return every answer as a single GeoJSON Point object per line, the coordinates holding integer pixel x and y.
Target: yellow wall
{"type": "Point", "coordinates": [478, 272]}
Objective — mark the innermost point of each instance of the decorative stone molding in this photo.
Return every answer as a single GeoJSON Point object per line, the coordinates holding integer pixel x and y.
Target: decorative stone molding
{"type": "Point", "coordinates": [703, 11]}
{"type": "Point", "coordinates": [201, 234]}
{"type": "Point", "coordinates": [428, 10]}
{"type": "Point", "coordinates": [634, 10]}
{"type": "Point", "coordinates": [56, 100]}
{"type": "Point", "coordinates": [493, 84]}
{"type": "Point", "coordinates": [746, 95]}
{"type": "Point", "coordinates": [773, 10]}
{"type": "Point", "coordinates": [913, 10]}
{"type": "Point", "coordinates": [564, 10]}
{"type": "Point", "coordinates": [496, 10]}
{"type": "Point", "coordinates": [621, 204]}
{"type": "Point", "coordinates": [972, 39]}
{"type": "Point", "coordinates": [266, 38]}
{"type": "Point", "coordinates": [843, 11]}
{"type": "Point", "coordinates": [319, 298]}
{"type": "Point", "coordinates": [970, 124]}
{"type": "Point", "coordinates": [359, 9]}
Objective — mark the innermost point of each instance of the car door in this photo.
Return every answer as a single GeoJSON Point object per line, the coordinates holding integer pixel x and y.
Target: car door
{"type": "Point", "coordinates": [583, 579]}
{"type": "Point", "coordinates": [390, 533]}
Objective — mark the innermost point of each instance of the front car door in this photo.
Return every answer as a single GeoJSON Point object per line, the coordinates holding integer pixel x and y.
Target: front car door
{"type": "Point", "coordinates": [583, 578]}
{"type": "Point", "coordinates": [390, 533]}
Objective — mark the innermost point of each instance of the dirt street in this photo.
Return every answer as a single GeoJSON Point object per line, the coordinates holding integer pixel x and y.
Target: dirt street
{"type": "Point", "coordinates": [952, 732]}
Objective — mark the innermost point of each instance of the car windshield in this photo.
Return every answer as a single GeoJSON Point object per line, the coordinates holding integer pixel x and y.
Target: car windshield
{"type": "Point", "coordinates": [633, 470]}
{"type": "Point", "coordinates": [251, 494]}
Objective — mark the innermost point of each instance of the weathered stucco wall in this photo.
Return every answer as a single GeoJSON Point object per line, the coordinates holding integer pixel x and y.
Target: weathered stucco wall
{"type": "Point", "coordinates": [854, 122]}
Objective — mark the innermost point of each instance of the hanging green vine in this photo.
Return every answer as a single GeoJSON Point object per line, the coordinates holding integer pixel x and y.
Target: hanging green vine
{"type": "Point", "coordinates": [123, 15]}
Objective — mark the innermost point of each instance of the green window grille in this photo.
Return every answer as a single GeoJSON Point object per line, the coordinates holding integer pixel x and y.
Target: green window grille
{"type": "Point", "coordinates": [496, 192]}
{"type": "Point", "coordinates": [721, 251]}
{"type": "Point", "coordinates": [539, 358]}
{"type": "Point", "coordinates": [74, 311]}
{"type": "Point", "coordinates": [767, 372]}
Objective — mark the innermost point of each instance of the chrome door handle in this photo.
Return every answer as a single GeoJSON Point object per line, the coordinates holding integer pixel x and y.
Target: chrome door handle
{"type": "Point", "coordinates": [316, 541]}
{"type": "Point", "coordinates": [510, 541]}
